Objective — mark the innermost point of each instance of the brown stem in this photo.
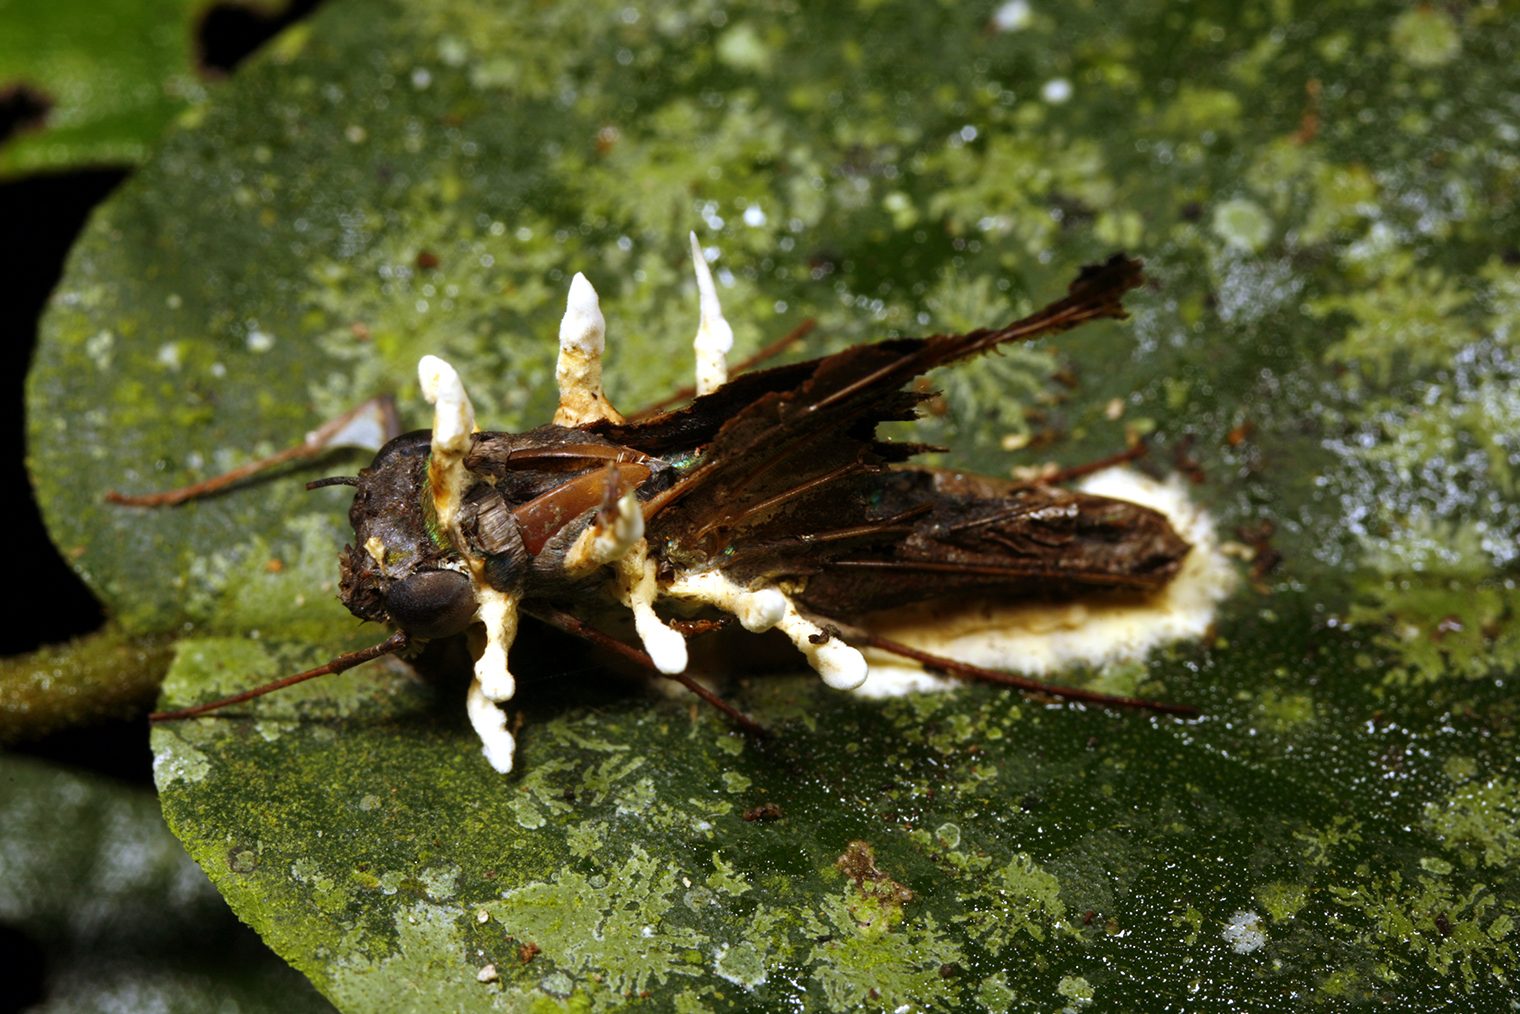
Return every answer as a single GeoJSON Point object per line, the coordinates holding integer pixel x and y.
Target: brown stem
{"type": "Point", "coordinates": [865, 639]}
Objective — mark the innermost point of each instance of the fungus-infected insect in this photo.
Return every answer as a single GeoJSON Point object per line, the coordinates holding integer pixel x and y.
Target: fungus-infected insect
{"type": "Point", "coordinates": [768, 497]}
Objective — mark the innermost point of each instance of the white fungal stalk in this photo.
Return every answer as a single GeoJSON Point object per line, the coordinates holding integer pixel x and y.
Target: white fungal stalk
{"type": "Point", "coordinates": [582, 338]}
{"type": "Point", "coordinates": [637, 588]}
{"type": "Point", "coordinates": [490, 724]}
{"type": "Point", "coordinates": [453, 422]}
{"type": "Point", "coordinates": [496, 612]}
{"type": "Point", "coordinates": [839, 665]}
{"type": "Point", "coordinates": [715, 339]}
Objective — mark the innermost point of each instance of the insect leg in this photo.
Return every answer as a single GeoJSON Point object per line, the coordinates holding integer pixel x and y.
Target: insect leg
{"type": "Point", "coordinates": [964, 670]}
{"type": "Point", "coordinates": [1061, 477]}
{"type": "Point", "coordinates": [369, 426]}
{"type": "Point", "coordinates": [580, 628]}
{"type": "Point", "coordinates": [399, 641]}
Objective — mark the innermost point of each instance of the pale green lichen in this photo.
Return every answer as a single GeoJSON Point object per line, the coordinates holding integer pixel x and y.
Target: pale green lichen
{"type": "Point", "coordinates": [1480, 822]}
{"type": "Point", "coordinates": [175, 760]}
{"type": "Point", "coordinates": [904, 964]}
{"type": "Point", "coordinates": [742, 964]}
{"type": "Point", "coordinates": [616, 932]}
{"type": "Point", "coordinates": [1022, 898]}
{"type": "Point", "coordinates": [1075, 989]}
{"type": "Point", "coordinates": [1440, 628]}
{"type": "Point", "coordinates": [1282, 900]}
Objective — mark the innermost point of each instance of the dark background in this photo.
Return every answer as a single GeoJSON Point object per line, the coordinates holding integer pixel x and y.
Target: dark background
{"type": "Point", "coordinates": [40, 216]}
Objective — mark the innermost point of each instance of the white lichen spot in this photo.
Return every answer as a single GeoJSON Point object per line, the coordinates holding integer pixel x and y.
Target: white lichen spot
{"type": "Point", "coordinates": [1426, 36]}
{"type": "Point", "coordinates": [1036, 638]}
{"type": "Point", "coordinates": [174, 760]}
{"type": "Point", "coordinates": [742, 48]}
{"type": "Point", "coordinates": [440, 882]}
{"type": "Point", "coordinates": [259, 341]}
{"type": "Point", "coordinates": [742, 964]}
{"type": "Point", "coordinates": [369, 802]}
{"type": "Point", "coordinates": [487, 974]}
{"type": "Point", "coordinates": [529, 816]}
{"type": "Point", "coordinates": [1244, 932]}
{"type": "Point", "coordinates": [269, 731]}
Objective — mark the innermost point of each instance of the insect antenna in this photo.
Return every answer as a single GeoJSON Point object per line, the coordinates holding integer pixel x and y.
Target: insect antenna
{"type": "Point", "coordinates": [368, 426]}
{"type": "Point", "coordinates": [399, 641]}
{"type": "Point", "coordinates": [333, 480]}
{"type": "Point", "coordinates": [964, 670]}
{"type": "Point", "coordinates": [580, 628]}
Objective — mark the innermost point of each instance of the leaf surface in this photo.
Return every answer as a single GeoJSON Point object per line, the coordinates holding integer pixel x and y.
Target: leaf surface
{"type": "Point", "coordinates": [1325, 348]}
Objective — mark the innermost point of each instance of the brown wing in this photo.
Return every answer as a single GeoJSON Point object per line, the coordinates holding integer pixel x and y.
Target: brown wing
{"type": "Point", "coordinates": [790, 481]}
{"type": "Point", "coordinates": [980, 536]}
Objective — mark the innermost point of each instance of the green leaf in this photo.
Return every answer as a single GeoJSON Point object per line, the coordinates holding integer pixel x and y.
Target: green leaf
{"type": "Point", "coordinates": [426, 178]}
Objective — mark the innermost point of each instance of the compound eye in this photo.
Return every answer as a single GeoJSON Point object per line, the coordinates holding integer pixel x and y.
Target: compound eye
{"type": "Point", "coordinates": [431, 603]}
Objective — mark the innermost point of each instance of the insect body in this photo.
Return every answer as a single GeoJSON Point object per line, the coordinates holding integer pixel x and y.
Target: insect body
{"type": "Point", "coordinates": [769, 497]}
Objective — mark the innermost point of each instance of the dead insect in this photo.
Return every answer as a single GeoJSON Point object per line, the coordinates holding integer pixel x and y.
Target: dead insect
{"type": "Point", "coordinates": [768, 497]}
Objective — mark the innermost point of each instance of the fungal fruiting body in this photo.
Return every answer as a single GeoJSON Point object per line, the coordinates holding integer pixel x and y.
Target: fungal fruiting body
{"type": "Point", "coordinates": [768, 497]}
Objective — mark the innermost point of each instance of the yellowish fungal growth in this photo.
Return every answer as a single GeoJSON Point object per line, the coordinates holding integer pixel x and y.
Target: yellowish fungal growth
{"type": "Point", "coordinates": [453, 422]}
{"type": "Point", "coordinates": [582, 338]}
{"type": "Point", "coordinates": [1038, 638]}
